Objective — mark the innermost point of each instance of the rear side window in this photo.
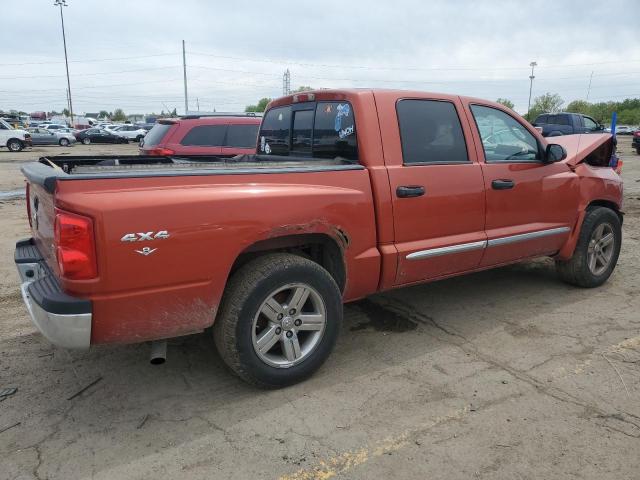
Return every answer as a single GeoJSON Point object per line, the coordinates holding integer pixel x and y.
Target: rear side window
{"type": "Point", "coordinates": [205, 136]}
{"type": "Point", "coordinates": [242, 136]}
{"type": "Point", "coordinates": [156, 134]}
{"type": "Point", "coordinates": [430, 132]}
{"type": "Point", "coordinates": [317, 130]}
{"type": "Point", "coordinates": [541, 120]}
{"type": "Point", "coordinates": [558, 120]}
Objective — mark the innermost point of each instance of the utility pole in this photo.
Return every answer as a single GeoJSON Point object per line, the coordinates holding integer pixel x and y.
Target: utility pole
{"type": "Point", "coordinates": [184, 68]}
{"type": "Point", "coordinates": [589, 89]}
{"type": "Point", "coordinates": [63, 3]}
{"type": "Point", "coordinates": [531, 77]}
{"type": "Point", "coordinates": [286, 83]}
{"type": "Point", "coordinates": [198, 103]}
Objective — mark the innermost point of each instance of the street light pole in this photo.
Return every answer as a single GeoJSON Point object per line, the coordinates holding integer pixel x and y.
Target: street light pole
{"type": "Point", "coordinates": [531, 77]}
{"type": "Point", "coordinates": [63, 3]}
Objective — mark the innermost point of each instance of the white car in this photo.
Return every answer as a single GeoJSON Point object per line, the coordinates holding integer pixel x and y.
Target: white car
{"type": "Point", "coordinates": [132, 132]}
{"type": "Point", "coordinates": [15, 140]}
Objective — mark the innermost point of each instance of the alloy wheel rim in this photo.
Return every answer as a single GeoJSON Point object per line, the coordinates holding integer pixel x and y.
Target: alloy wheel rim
{"type": "Point", "coordinates": [289, 325]}
{"type": "Point", "coordinates": [601, 248]}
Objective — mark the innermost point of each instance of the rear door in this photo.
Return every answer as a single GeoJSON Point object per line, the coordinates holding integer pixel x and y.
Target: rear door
{"type": "Point", "coordinates": [201, 140]}
{"type": "Point", "coordinates": [531, 206]}
{"type": "Point", "coordinates": [436, 186]}
{"type": "Point", "coordinates": [240, 139]}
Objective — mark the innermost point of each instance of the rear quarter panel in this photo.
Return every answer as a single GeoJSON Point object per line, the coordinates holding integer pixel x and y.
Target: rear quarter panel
{"type": "Point", "coordinates": [211, 220]}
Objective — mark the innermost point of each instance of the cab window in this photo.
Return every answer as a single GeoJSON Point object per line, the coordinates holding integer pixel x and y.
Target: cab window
{"type": "Point", "coordinates": [504, 139]}
{"type": "Point", "coordinates": [430, 133]}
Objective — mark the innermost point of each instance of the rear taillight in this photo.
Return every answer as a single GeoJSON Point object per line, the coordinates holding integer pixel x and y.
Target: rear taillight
{"type": "Point", "coordinates": [75, 246]}
{"type": "Point", "coordinates": [160, 151]}
{"type": "Point", "coordinates": [28, 204]}
{"type": "Point", "coordinates": [636, 134]}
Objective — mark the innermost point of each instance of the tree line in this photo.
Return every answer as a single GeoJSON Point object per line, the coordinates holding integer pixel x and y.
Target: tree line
{"type": "Point", "coordinates": [628, 110]}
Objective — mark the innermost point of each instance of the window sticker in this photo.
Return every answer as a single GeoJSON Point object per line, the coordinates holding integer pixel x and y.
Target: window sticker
{"type": "Point", "coordinates": [262, 143]}
{"type": "Point", "coordinates": [345, 132]}
{"type": "Point", "coordinates": [267, 149]}
{"type": "Point", "coordinates": [342, 111]}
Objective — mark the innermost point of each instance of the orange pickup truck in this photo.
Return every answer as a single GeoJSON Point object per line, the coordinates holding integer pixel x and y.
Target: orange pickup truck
{"type": "Point", "coordinates": [351, 192]}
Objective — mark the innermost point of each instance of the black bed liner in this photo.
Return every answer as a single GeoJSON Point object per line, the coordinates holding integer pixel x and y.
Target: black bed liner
{"type": "Point", "coordinates": [49, 170]}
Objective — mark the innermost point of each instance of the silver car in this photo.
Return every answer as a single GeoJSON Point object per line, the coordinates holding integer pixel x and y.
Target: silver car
{"type": "Point", "coordinates": [42, 136]}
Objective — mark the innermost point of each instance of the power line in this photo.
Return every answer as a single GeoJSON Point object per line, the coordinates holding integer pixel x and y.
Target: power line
{"type": "Point", "coordinates": [88, 61]}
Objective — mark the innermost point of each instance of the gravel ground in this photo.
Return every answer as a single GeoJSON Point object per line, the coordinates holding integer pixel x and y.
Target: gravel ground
{"type": "Point", "coordinates": [504, 374]}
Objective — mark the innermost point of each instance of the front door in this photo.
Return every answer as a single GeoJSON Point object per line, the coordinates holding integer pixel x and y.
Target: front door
{"type": "Point", "coordinates": [531, 205]}
{"type": "Point", "coordinates": [437, 189]}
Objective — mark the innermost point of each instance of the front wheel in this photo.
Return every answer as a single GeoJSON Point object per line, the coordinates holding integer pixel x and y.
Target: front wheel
{"type": "Point", "coordinates": [279, 320]}
{"type": "Point", "coordinates": [86, 141]}
{"type": "Point", "coordinates": [597, 250]}
{"type": "Point", "coordinates": [15, 145]}
{"type": "Point", "coordinates": [64, 142]}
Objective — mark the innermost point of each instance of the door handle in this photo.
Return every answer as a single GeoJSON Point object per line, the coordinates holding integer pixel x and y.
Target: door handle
{"type": "Point", "coordinates": [407, 191]}
{"type": "Point", "coordinates": [502, 184]}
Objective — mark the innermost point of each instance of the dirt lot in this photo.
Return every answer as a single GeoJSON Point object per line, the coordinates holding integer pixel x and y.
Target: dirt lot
{"type": "Point", "coordinates": [504, 374]}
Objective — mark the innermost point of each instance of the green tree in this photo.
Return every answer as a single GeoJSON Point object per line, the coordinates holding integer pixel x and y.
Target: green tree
{"type": "Point", "coordinates": [103, 114]}
{"type": "Point", "coordinates": [260, 107]}
{"type": "Point", "coordinates": [65, 112]}
{"type": "Point", "coordinates": [579, 106]}
{"type": "Point", "coordinates": [547, 103]}
{"type": "Point", "coordinates": [506, 102]}
{"type": "Point", "coordinates": [302, 88]}
{"type": "Point", "coordinates": [118, 115]}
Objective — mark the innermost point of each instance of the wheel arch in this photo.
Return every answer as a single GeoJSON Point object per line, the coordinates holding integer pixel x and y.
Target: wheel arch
{"type": "Point", "coordinates": [321, 248]}
{"type": "Point", "coordinates": [566, 252]}
{"type": "Point", "coordinates": [9, 140]}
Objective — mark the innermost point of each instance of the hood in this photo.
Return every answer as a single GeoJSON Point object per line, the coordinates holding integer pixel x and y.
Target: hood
{"type": "Point", "coordinates": [581, 146]}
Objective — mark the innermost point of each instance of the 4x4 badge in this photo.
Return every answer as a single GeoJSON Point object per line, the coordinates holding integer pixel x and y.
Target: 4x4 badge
{"type": "Point", "coordinates": [142, 236]}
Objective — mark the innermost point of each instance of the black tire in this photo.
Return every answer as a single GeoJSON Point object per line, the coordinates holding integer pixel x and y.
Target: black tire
{"type": "Point", "coordinates": [138, 138]}
{"type": "Point", "coordinates": [576, 271]}
{"type": "Point", "coordinates": [64, 142]}
{"type": "Point", "coordinates": [638, 150]}
{"type": "Point", "coordinates": [247, 289]}
{"type": "Point", "coordinates": [86, 141]}
{"type": "Point", "coordinates": [15, 145]}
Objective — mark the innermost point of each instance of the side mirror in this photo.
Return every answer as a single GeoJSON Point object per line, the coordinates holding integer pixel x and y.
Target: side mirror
{"type": "Point", "coordinates": [554, 153]}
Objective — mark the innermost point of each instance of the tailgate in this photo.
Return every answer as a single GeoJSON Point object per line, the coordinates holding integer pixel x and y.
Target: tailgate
{"type": "Point", "coordinates": [41, 211]}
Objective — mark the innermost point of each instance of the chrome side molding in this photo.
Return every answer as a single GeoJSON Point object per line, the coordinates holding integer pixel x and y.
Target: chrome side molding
{"type": "Point", "coordinates": [495, 242]}
{"type": "Point", "coordinates": [436, 252]}
{"type": "Point", "coordinates": [527, 236]}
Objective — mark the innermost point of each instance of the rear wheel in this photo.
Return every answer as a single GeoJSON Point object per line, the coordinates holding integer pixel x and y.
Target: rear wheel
{"type": "Point", "coordinates": [86, 141]}
{"type": "Point", "coordinates": [597, 250]}
{"type": "Point", "coordinates": [64, 142]}
{"type": "Point", "coordinates": [279, 320]}
{"type": "Point", "coordinates": [15, 145]}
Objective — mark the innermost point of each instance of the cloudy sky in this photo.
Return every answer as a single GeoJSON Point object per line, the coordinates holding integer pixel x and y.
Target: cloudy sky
{"type": "Point", "coordinates": [128, 54]}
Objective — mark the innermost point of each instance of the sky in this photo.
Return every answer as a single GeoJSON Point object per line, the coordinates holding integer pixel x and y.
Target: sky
{"type": "Point", "coordinates": [128, 54]}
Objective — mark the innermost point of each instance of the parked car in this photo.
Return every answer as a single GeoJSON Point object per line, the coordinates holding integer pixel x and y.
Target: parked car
{"type": "Point", "coordinates": [555, 124]}
{"type": "Point", "coordinates": [53, 126]}
{"type": "Point", "coordinates": [353, 192]}
{"type": "Point", "coordinates": [635, 141]}
{"type": "Point", "coordinates": [42, 136]}
{"type": "Point", "coordinates": [96, 135]}
{"type": "Point", "coordinates": [130, 132]}
{"type": "Point", "coordinates": [15, 140]}
{"type": "Point", "coordinates": [146, 126]}
{"type": "Point", "coordinates": [624, 130]}
{"type": "Point", "coordinates": [223, 136]}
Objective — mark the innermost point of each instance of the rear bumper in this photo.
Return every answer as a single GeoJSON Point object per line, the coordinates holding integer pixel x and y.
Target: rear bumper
{"type": "Point", "coordinates": [64, 320]}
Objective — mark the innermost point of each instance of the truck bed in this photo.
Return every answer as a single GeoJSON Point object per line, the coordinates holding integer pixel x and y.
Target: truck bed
{"type": "Point", "coordinates": [48, 170]}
